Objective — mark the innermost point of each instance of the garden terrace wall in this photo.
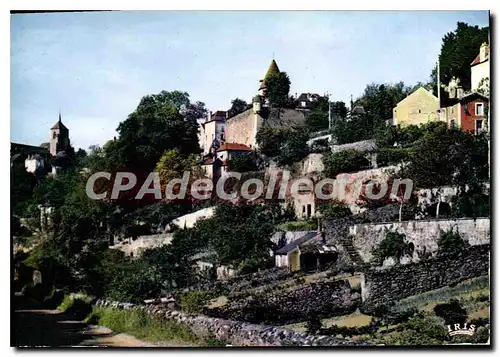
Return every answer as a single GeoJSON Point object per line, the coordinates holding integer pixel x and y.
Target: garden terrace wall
{"type": "Point", "coordinates": [380, 286]}
{"type": "Point", "coordinates": [281, 308]}
{"type": "Point", "coordinates": [424, 234]}
{"type": "Point", "coordinates": [236, 333]}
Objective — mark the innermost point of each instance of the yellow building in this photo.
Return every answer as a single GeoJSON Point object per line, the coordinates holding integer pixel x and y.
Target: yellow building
{"type": "Point", "coordinates": [418, 108]}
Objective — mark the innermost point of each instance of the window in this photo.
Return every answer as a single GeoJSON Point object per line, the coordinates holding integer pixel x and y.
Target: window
{"type": "Point", "coordinates": [54, 135]}
{"type": "Point", "coordinates": [419, 111]}
{"type": "Point", "coordinates": [453, 123]}
{"type": "Point", "coordinates": [479, 126]}
{"type": "Point", "coordinates": [308, 210]}
{"type": "Point", "coordinates": [451, 110]}
{"type": "Point", "coordinates": [303, 103]}
{"type": "Point", "coordinates": [479, 109]}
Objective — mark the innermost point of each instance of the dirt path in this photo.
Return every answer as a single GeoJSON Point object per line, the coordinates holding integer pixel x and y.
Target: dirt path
{"type": "Point", "coordinates": [33, 325]}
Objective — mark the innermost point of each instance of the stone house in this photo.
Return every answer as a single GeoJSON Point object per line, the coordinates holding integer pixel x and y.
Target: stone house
{"type": "Point", "coordinates": [419, 107]}
{"type": "Point", "coordinates": [308, 252]}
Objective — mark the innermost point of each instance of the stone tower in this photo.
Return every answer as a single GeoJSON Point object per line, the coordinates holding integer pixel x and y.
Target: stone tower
{"type": "Point", "coordinates": [59, 137]}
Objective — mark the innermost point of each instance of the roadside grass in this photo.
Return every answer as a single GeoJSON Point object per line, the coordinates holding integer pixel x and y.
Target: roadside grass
{"type": "Point", "coordinates": [69, 300]}
{"type": "Point", "coordinates": [141, 325]}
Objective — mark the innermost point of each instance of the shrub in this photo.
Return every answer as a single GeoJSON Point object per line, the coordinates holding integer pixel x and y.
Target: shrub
{"type": "Point", "coordinates": [242, 163]}
{"type": "Point", "coordinates": [313, 324]}
{"type": "Point", "coordinates": [452, 312]}
{"type": "Point", "coordinates": [392, 156]}
{"type": "Point", "coordinates": [334, 210]}
{"type": "Point", "coordinates": [345, 162]}
{"type": "Point", "coordinates": [78, 305]}
{"type": "Point", "coordinates": [393, 245]}
{"type": "Point", "coordinates": [451, 243]}
{"type": "Point", "coordinates": [194, 301]}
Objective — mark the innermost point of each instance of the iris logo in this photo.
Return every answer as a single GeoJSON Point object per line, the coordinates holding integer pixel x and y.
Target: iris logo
{"type": "Point", "coordinates": [457, 329]}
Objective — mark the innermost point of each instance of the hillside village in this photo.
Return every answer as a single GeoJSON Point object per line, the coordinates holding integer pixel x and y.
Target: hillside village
{"type": "Point", "coordinates": [352, 270]}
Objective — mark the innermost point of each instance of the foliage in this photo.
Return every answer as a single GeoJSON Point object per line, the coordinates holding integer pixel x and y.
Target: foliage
{"type": "Point", "coordinates": [305, 225]}
{"type": "Point", "coordinates": [194, 301]}
{"type": "Point", "coordinates": [345, 162]}
{"type": "Point", "coordinates": [351, 130]}
{"type": "Point", "coordinates": [278, 87]}
{"type": "Point", "coordinates": [285, 145]}
{"type": "Point", "coordinates": [392, 156]}
{"type": "Point", "coordinates": [334, 210]}
{"type": "Point", "coordinates": [237, 106]}
{"type": "Point", "coordinates": [471, 204]}
{"type": "Point", "coordinates": [393, 245]}
{"type": "Point", "coordinates": [22, 184]}
{"type": "Point", "coordinates": [242, 163]}
{"type": "Point", "coordinates": [452, 312]}
{"type": "Point", "coordinates": [448, 157]}
{"type": "Point", "coordinates": [458, 50]}
{"type": "Point", "coordinates": [140, 324]}
{"type": "Point", "coordinates": [450, 242]}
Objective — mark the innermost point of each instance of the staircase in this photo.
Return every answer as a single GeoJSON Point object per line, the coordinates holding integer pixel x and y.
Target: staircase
{"type": "Point", "coordinates": [348, 247]}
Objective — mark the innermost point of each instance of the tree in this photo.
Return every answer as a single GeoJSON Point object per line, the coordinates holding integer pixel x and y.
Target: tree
{"type": "Point", "coordinates": [278, 87]}
{"type": "Point", "coordinates": [285, 145]}
{"type": "Point", "coordinates": [22, 184]}
{"type": "Point", "coordinates": [446, 156]}
{"type": "Point", "coordinates": [81, 153]}
{"type": "Point", "coordinates": [458, 50]}
{"type": "Point", "coordinates": [242, 163]}
{"type": "Point", "coordinates": [161, 122]}
{"type": "Point", "coordinates": [237, 106]}
{"type": "Point", "coordinates": [173, 164]}
{"type": "Point", "coordinates": [378, 101]}
{"type": "Point", "coordinates": [345, 162]}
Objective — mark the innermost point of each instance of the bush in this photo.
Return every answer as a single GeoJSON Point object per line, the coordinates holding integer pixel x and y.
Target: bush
{"type": "Point", "coordinates": [241, 163]}
{"type": "Point", "coordinates": [334, 210]}
{"type": "Point", "coordinates": [54, 299]}
{"type": "Point", "coordinates": [393, 245]}
{"type": "Point", "coordinates": [194, 301]}
{"type": "Point", "coordinates": [452, 312]}
{"type": "Point", "coordinates": [392, 156]}
{"type": "Point", "coordinates": [78, 305]}
{"type": "Point", "coordinates": [451, 243]}
{"type": "Point", "coordinates": [345, 162]}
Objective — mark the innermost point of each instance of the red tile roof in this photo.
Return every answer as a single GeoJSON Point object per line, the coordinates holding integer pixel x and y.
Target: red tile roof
{"type": "Point", "coordinates": [476, 61]}
{"type": "Point", "coordinates": [233, 147]}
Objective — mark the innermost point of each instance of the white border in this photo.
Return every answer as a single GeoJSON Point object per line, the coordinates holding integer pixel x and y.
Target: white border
{"type": "Point", "coordinates": [190, 4]}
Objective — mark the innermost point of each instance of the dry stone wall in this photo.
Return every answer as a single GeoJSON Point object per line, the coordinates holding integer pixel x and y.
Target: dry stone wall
{"type": "Point", "coordinates": [236, 333]}
{"type": "Point", "coordinates": [383, 285]}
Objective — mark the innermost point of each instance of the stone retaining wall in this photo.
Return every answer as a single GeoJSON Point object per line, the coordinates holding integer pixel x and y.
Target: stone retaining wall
{"type": "Point", "coordinates": [384, 285]}
{"type": "Point", "coordinates": [236, 333]}
{"type": "Point", "coordinates": [424, 234]}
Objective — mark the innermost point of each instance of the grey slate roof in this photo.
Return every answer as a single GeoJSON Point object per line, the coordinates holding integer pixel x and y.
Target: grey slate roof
{"type": "Point", "coordinates": [296, 243]}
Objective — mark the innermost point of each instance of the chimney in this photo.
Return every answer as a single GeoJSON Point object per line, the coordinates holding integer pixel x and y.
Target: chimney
{"type": "Point", "coordinates": [453, 92]}
{"type": "Point", "coordinates": [483, 52]}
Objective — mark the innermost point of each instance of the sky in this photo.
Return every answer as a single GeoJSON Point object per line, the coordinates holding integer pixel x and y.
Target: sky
{"type": "Point", "coordinates": [95, 67]}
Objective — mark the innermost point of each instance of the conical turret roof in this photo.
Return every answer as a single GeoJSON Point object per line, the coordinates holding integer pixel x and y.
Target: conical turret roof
{"type": "Point", "coordinates": [273, 69]}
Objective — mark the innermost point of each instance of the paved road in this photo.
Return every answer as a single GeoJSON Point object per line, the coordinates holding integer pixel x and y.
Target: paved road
{"type": "Point", "coordinates": [34, 325]}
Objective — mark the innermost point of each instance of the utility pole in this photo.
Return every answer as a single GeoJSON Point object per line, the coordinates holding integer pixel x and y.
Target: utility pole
{"type": "Point", "coordinates": [438, 85]}
{"type": "Point", "coordinates": [329, 112]}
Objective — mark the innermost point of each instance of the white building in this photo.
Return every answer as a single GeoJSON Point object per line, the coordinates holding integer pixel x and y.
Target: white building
{"type": "Point", "coordinates": [480, 68]}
